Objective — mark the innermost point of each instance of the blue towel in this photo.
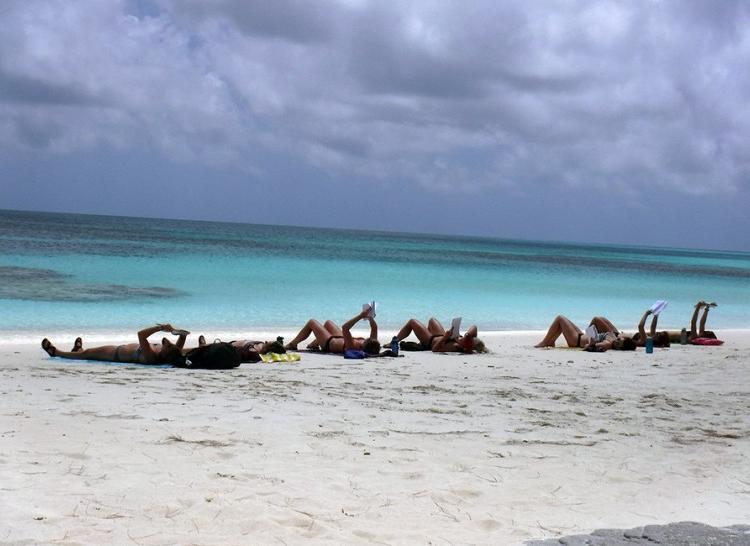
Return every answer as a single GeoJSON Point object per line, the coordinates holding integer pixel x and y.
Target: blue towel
{"type": "Point", "coordinates": [352, 353]}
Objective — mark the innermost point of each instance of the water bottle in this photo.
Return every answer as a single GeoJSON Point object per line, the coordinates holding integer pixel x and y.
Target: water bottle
{"type": "Point", "coordinates": [649, 345]}
{"type": "Point", "coordinates": [394, 346]}
{"type": "Point", "coordinates": [683, 337]}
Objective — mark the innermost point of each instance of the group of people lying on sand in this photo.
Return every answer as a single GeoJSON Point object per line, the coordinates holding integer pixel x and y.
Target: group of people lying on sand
{"type": "Point", "coordinates": [609, 337]}
{"type": "Point", "coordinates": [328, 338]}
{"type": "Point", "coordinates": [332, 338]}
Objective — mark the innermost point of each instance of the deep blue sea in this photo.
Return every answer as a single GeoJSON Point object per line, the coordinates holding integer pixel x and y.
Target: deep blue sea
{"type": "Point", "coordinates": [82, 273]}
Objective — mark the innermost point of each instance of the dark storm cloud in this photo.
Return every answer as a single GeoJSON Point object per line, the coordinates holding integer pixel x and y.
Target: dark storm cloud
{"type": "Point", "coordinates": [624, 95]}
{"type": "Point", "coordinates": [26, 90]}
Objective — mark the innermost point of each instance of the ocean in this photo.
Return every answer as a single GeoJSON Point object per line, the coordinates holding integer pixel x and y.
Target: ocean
{"type": "Point", "coordinates": [66, 274]}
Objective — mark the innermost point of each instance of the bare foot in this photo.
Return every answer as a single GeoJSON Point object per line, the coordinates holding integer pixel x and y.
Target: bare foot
{"type": "Point", "coordinates": [290, 347]}
{"type": "Point", "coordinates": [77, 346]}
{"type": "Point", "coordinates": [48, 347]}
{"type": "Point", "coordinates": [542, 345]}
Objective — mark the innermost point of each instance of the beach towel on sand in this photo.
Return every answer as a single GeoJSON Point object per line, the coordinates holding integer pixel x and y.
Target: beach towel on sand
{"type": "Point", "coordinates": [280, 357]}
{"type": "Point", "coordinates": [706, 341]}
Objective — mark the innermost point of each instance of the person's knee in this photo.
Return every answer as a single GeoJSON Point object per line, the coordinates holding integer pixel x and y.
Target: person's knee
{"type": "Point", "coordinates": [329, 324]}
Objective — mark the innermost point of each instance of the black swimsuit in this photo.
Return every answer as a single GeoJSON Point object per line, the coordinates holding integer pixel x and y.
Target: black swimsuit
{"type": "Point", "coordinates": [326, 348]}
{"type": "Point", "coordinates": [249, 352]}
{"type": "Point", "coordinates": [116, 357]}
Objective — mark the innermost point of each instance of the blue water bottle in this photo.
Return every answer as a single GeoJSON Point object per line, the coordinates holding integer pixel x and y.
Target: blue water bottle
{"type": "Point", "coordinates": [394, 346]}
{"type": "Point", "coordinates": [649, 345]}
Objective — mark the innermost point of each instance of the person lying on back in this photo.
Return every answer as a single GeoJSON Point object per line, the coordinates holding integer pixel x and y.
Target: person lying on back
{"type": "Point", "coordinates": [330, 338]}
{"type": "Point", "coordinates": [437, 339]}
{"type": "Point", "coordinates": [142, 352]}
{"type": "Point", "coordinates": [611, 338]}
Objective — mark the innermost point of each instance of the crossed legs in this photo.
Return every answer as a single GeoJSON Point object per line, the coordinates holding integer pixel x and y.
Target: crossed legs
{"type": "Point", "coordinates": [105, 352]}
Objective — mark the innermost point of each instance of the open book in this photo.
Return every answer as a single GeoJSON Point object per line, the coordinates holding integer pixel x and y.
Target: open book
{"type": "Point", "coordinates": [591, 332]}
{"type": "Point", "coordinates": [455, 325]}
{"type": "Point", "coordinates": [370, 307]}
{"type": "Point", "coordinates": [658, 307]}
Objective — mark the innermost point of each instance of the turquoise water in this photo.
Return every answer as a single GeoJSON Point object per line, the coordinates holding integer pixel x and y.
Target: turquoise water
{"type": "Point", "coordinates": [64, 272]}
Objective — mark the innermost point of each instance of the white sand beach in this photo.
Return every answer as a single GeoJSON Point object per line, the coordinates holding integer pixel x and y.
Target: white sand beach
{"type": "Point", "coordinates": [517, 445]}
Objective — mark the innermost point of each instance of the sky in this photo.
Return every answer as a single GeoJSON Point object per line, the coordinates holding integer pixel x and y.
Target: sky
{"type": "Point", "coordinates": [609, 122]}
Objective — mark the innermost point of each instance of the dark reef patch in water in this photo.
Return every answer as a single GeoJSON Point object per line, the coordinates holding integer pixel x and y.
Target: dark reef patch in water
{"type": "Point", "coordinates": [37, 284]}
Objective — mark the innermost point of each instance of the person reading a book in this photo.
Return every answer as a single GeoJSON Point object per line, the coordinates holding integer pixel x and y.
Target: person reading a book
{"type": "Point", "coordinates": [437, 339]}
{"type": "Point", "coordinates": [663, 338]}
{"type": "Point", "coordinates": [660, 339]}
{"type": "Point", "coordinates": [610, 338]}
{"type": "Point", "coordinates": [142, 352]}
{"type": "Point", "coordinates": [330, 338]}
{"type": "Point", "coordinates": [251, 351]}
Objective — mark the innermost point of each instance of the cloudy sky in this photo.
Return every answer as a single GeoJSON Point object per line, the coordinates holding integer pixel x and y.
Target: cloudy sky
{"type": "Point", "coordinates": [624, 122]}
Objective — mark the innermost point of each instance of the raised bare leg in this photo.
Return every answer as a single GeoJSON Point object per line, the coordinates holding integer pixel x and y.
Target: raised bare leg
{"type": "Point", "coordinates": [702, 330]}
{"type": "Point", "coordinates": [603, 324]}
{"type": "Point", "coordinates": [694, 319]}
{"type": "Point", "coordinates": [434, 326]}
{"type": "Point", "coordinates": [333, 328]}
{"type": "Point", "coordinates": [311, 327]}
{"type": "Point", "coordinates": [419, 330]}
{"type": "Point", "coordinates": [561, 325]}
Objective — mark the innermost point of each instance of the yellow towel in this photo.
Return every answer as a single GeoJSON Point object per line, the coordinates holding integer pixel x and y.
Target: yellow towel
{"type": "Point", "coordinates": [280, 357]}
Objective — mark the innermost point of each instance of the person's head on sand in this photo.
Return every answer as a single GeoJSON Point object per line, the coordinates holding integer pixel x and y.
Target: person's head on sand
{"type": "Point", "coordinates": [170, 353]}
{"type": "Point", "coordinates": [276, 346]}
{"type": "Point", "coordinates": [624, 343]}
{"type": "Point", "coordinates": [371, 346]}
{"type": "Point", "coordinates": [470, 344]}
{"type": "Point", "coordinates": [479, 346]}
{"type": "Point", "coordinates": [661, 339]}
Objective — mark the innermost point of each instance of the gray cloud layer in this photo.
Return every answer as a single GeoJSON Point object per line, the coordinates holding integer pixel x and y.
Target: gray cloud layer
{"type": "Point", "coordinates": [623, 95]}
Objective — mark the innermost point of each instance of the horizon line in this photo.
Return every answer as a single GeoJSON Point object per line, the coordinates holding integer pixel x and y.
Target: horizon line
{"type": "Point", "coordinates": [395, 232]}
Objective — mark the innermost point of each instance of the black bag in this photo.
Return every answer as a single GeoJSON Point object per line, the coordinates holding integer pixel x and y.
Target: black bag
{"type": "Point", "coordinates": [216, 356]}
{"type": "Point", "coordinates": [411, 346]}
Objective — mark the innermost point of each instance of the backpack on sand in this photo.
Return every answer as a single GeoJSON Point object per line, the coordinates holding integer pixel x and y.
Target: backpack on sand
{"type": "Point", "coordinates": [216, 356]}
